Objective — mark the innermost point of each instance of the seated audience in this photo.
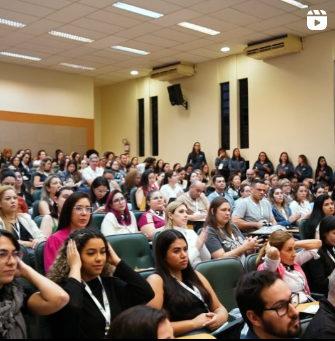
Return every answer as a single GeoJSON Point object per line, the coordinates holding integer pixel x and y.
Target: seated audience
{"type": "Point", "coordinates": [268, 307]}
{"type": "Point", "coordinates": [244, 193]}
{"type": "Point", "coordinates": [323, 172]}
{"type": "Point", "coordinates": [50, 187]}
{"type": "Point", "coordinates": [219, 183]}
{"type": "Point", "coordinates": [41, 155]}
{"type": "Point", "coordinates": [83, 166]}
{"type": "Point", "coordinates": [237, 162]}
{"type": "Point", "coordinates": [49, 223]}
{"type": "Point", "coordinates": [99, 193]}
{"type": "Point", "coordinates": [166, 167]}
{"type": "Point", "coordinates": [222, 164]}
{"type": "Point", "coordinates": [72, 177]}
{"type": "Point", "coordinates": [251, 177]}
{"type": "Point", "coordinates": [194, 176]}
{"type": "Point", "coordinates": [301, 204]}
{"type": "Point", "coordinates": [319, 270]}
{"type": "Point", "coordinates": [159, 167]}
{"type": "Point", "coordinates": [25, 167]}
{"type": "Point", "coordinates": [147, 182]}
{"type": "Point", "coordinates": [279, 255]}
{"type": "Point", "coordinates": [171, 188]}
{"type": "Point", "coordinates": [149, 163]}
{"type": "Point", "coordinates": [176, 167]}
{"type": "Point", "coordinates": [153, 221]}
{"type": "Point", "coordinates": [234, 186]}
{"type": "Point", "coordinates": [281, 212]}
{"type": "Point", "coordinates": [119, 177]}
{"type": "Point", "coordinates": [182, 177]}
{"type": "Point", "coordinates": [285, 169]}
{"type": "Point", "coordinates": [20, 225]}
{"type": "Point", "coordinates": [160, 181]}
{"type": "Point", "coordinates": [133, 180]}
{"type": "Point", "coordinates": [303, 170]}
{"type": "Point", "coordinates": [109, 175]}
{"type": "Point", "coordinates": [318, 191]}
{"type": "Point", "coordinates": [224, 239]}
{"type": "Point", "coordinates": [76, 215]}
{"type": "Point", "coordinates": [196, 202]}
{"type": "Point", "coordinates": [141, 323]}
{"type": "Point", "coordinates": [322, 327]}
{"type": "Point", "coordinates": [184, 294]}
{"type": "Point", "coordinates": [15, 163]}
{"type": "Point", "coordinates": [263, 165]}
{"type": "Point", "coordinates": [98, 294]}
{"type": "Point", "coordinates": [294, 184]}
{"type": "Point", "coordinates": [274, 181]}
{"type": "Point", "coordinates": [134, 162]}
{"type": "Point", "coordinates": [205, 174]}
{"type": "Point", "coordinates": [285, 186]}
{"type": "Point", "coordinates": [59, 157]}
{"type": "Point", "coordinates": [93, 171]}
{"type": "Point", "coordinates": [176, 219]}
{"type": "Point", "coordinates": [197, 157]}
{"type": "Point", "coordinates": [17, 300]}
{"type": "Point", "coordinates": [118, 219]}
{"type": "Point", "coordinates": [8, 178]}
{"type": "Point", "coordinates": [43, 172]}
{"type": "Point", "coordinates": [21, 190]}
{"type": "Point", "coordinates": [253, 213]}
{"type": "Point", "coordinates": [324, 206]}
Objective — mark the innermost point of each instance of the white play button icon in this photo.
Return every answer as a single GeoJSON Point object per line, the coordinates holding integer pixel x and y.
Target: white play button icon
{"type": "Point", "coordinates": [317, 20]}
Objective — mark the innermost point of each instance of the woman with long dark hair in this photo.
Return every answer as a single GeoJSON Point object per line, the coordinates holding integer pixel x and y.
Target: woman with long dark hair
{"type": "Point", "coordinates": [99, 193]}
{"type": "Point", "coordinates": [323, 206]}
{"type": "Point", "coordinates": [119, 220]}
{"type": "Point", "coordinates": [185, 294]}
{"type": "Point", "coordinates": [147, 182]}
{"type": "Point", "coordinates": [318, 271]}
{"type": "Point", "coordinates": [76, 215]}
{"type": "Point", "coordinates": [285, 168]}
{"type": "Point", "coordinates": [303, 170]}
{"type": "Point", "coordinates": [224, 239]}
{"type": "Point", "coordinates": [159, 166]}
{"type": "Point", "coordinates": [197, 158]}
{"type": "Point", "coordinates": [85, 269]}
{"type": "Point", "coordinates": [222, 163]}
{"type": "Point", "coordinates": [323, 172]}
{"type": "Point", "coordinates": [171, 187]}
{"type": "Point", "coordinates": [237, 163]}
{"type": "Point", "coordinates": [301, 204]}
{"type": "Point", "coordinates": [25, 167]}
{"type": "Point", "coordinates": [263, 165]}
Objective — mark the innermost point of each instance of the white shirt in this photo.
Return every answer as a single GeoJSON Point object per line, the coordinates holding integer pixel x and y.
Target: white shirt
{"type": "Point", "coordinates": [303, 208]}
{"type": "Point", "coordinates": [110, 226]}
{"type": "Point", "coordinates": [168, 192]}
{"type": "Point", "coordinates": [195, 256]}
{"type": "Point", "coordinates": [90, 174]}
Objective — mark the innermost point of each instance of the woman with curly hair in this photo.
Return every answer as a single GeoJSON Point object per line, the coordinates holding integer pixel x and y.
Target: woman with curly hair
{"type": "Point", "coordinates": [84, 268]}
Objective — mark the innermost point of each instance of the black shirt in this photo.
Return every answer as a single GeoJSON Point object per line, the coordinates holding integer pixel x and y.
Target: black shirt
{"type": "Point", "coordinates": [25, 236]}
{"type": "Point", "coordinates": [81, 318]}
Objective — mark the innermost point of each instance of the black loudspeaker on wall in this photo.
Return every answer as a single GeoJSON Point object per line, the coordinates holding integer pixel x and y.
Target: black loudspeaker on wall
{"type": "Point", "coordinates": [176, 96]}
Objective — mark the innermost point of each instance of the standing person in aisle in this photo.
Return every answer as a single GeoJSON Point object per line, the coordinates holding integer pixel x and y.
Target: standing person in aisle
{"type": "Point", "coordinates": [237, 163]}
{"type": "Point", "coordinates": [197, 158]}
{"type": "Point", "coordinates": [222, 163]}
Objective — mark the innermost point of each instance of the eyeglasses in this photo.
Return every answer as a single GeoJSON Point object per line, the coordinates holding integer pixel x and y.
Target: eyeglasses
{"type": "Point", "coordinates": [5, 256]}
{"type": "Point", "coordinates": [102, 192]}
{"type": "Point", "coordinates": [284, 307]}
{"type": "Point", "coordinates": [119, 201]}
{"type": "Point", "coordinates": [81, 209]}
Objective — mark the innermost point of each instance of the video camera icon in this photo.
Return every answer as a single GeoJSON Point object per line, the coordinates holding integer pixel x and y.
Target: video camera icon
{"type": "Point", "coordinates": [317, 20]}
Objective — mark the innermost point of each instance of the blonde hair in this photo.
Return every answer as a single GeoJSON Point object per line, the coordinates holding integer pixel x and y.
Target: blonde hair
{"type": "Point", "coordinates": [172, 209]}
{"type": "Point", "coordinates": [278, 240]}
{"type": "Point", "coordinates": [3, 191]}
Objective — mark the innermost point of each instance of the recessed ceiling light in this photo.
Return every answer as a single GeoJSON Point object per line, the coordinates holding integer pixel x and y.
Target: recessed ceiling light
{"type": "Point", "coordinates": [130, 50]}
{"type": "Point", "coordinates": [71, 36]}
{"type": "Point", "coordinates": [295, 3]}
{"type": "Point", "coordinates": [21, 56]}
{"type": "Point", "coordinates": [134, 73]}
{"type": "Point", "coordinates": [11, 23]}
{"type": "Point", "coordinates": [138, 10]}
{"type": "Point", "coordinates": [81, 67]}
{"type": "Point", "coordinates": [199, 28]}
{"type": "Point", "coordinates": [225, 49]}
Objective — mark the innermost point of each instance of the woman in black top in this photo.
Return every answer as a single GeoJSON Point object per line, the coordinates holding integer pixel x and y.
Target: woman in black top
{"type": "Point", "coordinates": [197, 158]}
{"type": "Point", "coordinates": [323, 172]}
{"type": "Point", "coordinates": [84, 268]}
{"type": "Point", "coordinates": [319, 270]}
{"type": "Point", "coordinates": [185, 294]}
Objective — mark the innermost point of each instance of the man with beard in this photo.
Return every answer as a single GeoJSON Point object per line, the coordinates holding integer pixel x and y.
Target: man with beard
{"type": "Point", "coordinates": [268, 307]}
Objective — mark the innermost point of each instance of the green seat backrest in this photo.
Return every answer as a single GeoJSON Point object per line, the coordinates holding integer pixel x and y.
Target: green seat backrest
{"type": "Point", "coordinates": [39, 258]}
{"type": "Point", "coordinates": [250, 263]}
{"type": "Point", "coordinates": [304, 327]}
{"type": "Point", "coordinates": [133, 199]}
{"type": "Point", "coordinates": [223, 275]}
{"type": "Point", "coordinates": [134, 249]}
{"type": "Point", "coordinates": [97, 220]}
{"type": "Point", "coordinates": [303, 229]}
{"type": "Point", "coordinates": [38, 220]}
{"type": "Point", "coordinates": [37, 195]}
{"type": "Point", "coordinates": [36, 212]}
{"type": "Point", "coordinates": [146, 274]}
{"type": "Point", "coordinates": [138, 215]}
{"type": "Point", "coordinates": [26, 258]}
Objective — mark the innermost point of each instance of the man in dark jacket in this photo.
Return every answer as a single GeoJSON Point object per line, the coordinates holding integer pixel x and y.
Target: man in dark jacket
{"type": "Point", "coordinates": [323, 324]}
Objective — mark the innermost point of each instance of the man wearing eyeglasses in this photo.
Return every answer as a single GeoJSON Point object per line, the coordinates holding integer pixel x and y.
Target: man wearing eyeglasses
{"type": "Point", "coordinates": [268, 307]}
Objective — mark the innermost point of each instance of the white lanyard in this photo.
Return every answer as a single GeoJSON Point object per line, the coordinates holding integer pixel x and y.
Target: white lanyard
{"type": "Point", "coordinates": [194, 292]}
{"type": "Point", "coordinates": [104, 311]}
{"type": "Point", "coordinates": [259, 208]}
{"type": "Point", "coordinates": [331, 256]}
{"type": "Point", "coordinates": [155, 214]}
{"type": "Point", "coordinates": [17, 229]}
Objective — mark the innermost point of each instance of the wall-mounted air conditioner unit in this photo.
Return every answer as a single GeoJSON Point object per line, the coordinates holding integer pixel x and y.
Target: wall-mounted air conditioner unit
{"type": "Point", "coordinates": [275, 48]}
{"type": "Point", "coordinates": [173, 72]}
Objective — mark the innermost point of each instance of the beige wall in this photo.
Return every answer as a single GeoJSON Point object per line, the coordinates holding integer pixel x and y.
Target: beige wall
{"type": "Point", "coordinates": [31, 90]}
{"type": "Point", "coordinates": [291, 105]}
